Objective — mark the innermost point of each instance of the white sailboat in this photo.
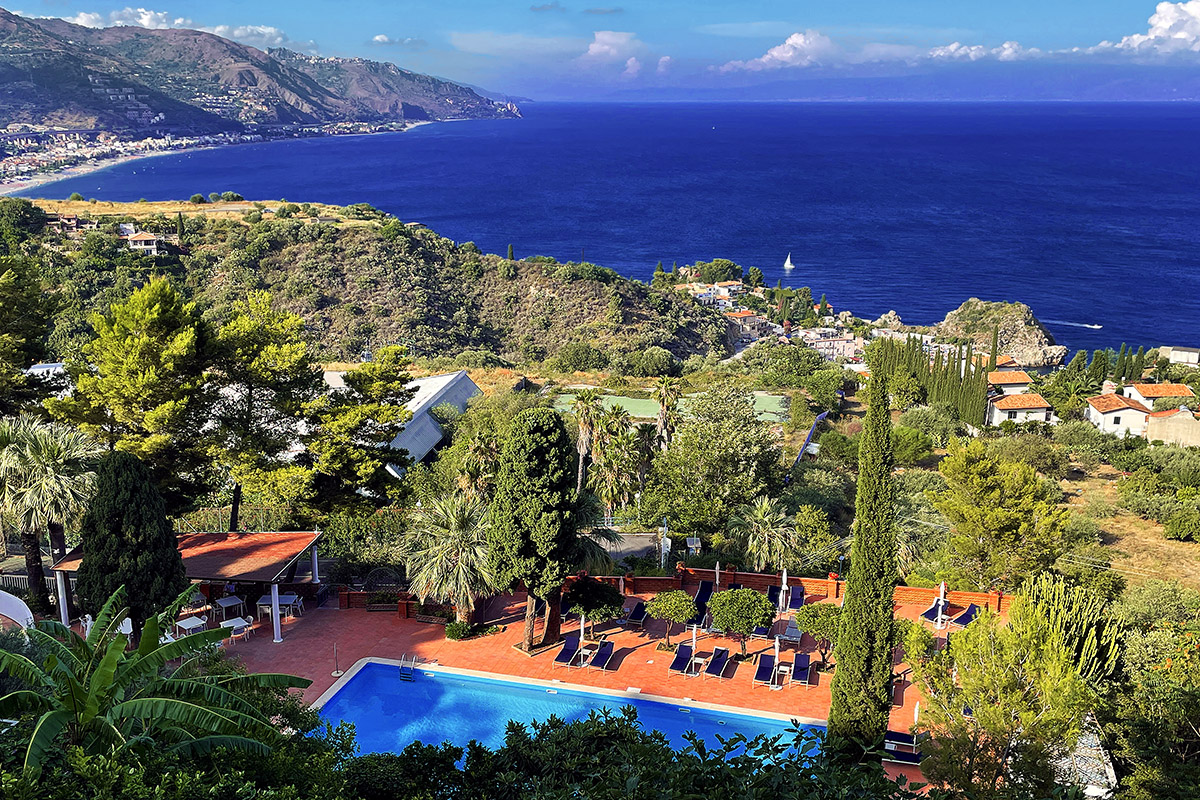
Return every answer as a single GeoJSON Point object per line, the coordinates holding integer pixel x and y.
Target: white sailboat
{"type": "Point", "coordinates": [788, 264]}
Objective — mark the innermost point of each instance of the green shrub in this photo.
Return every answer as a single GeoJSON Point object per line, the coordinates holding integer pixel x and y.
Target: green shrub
{"type": "Point", "coordinates": [910, 446]}
{"type": "Point", "coordinates": [75, 197]}
{"type": "Point", "coordinates": [198, 199]}
{"type": "Point", "coordinates": [458, 630]}
{"type": "Point", "coordinates": [939, 422]}
{"type": "Point", "coordinates": [1184, 524]}
{"type": "Point", "coordinates": [419, 771]}
{"type": "Point", "coordinates": [579, 357]}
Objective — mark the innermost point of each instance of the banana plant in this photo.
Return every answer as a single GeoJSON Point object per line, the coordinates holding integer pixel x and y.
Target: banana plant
{"type": "Point", "coordinates": [99, 695]}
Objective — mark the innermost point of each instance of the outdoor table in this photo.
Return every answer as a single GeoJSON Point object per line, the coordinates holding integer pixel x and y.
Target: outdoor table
{"type": "Point", "coordinates": [584, 654]}
{"type": "Point", "coordinates": [190, 624]}
{"type": "Point", "coordinates": [228, 602]}
{"type": "Point", "coordinates": [237, 625]}
{"type": "Point", "coordinates": [783, 670]}
{"type": "Point", "coordinates": [697, 665]}
{"type": "Point", "coordinates": [285, 601]}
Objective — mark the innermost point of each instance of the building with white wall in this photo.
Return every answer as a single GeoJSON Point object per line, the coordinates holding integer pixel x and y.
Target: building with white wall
{"type": "Point", "coordinates": [1019, 408]}
{"type": "Point", "coordinates": [1113, 413]}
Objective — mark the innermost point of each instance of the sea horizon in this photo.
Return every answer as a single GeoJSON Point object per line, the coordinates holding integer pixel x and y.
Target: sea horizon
{"type": "Point", "coordinates": [874, 200]}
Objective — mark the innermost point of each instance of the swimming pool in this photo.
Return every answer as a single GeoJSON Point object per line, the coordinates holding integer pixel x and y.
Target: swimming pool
{"type": "Point", "coordinates": [444, 706]}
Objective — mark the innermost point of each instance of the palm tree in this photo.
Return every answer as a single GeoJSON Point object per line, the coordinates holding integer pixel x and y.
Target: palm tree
{"type": "Point", "coordinates": [46, 479]}
{"type": "Point", "coordinates": [666, 393]}
{"type": "Point", "coordinates": [587, 409]}
{"type": "Point", "coordinates": [646, 440]}
{"type": "Point", "coordinates": [479, 466]}
{"type": "Point", "coordinates": [95, 694]}
{"type": "Point", "coordinates": [765, 531]}
{"type": "Point", "coordinates": [446, 553]}
{"type": "Point", "coordinates": [588, 552]}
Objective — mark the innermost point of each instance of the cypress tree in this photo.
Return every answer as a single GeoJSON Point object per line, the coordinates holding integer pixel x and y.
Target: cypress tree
{"type": "Point", "coordinates": [1119, 368]}
{"type": "Point", "coordinates": [1098, 369]}
{"type": "Point", "coordinates": [995, 347]}
{"type": "Point", "coordinates": [510, 252]}
{"type": "Point", "coordinates": [128, 541]}
{"type": "Point", "coordinates": [179, 224]}
{"type": "Point", "coordinates": [1139, 364]}
{"type": "Point", "coordinates": [532, 517]}
{"type": "Point", "coordinates": [861, 685]}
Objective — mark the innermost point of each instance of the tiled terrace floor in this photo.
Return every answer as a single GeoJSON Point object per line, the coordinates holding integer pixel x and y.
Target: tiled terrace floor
{"type": "Point", "coordinates": [309, 642]}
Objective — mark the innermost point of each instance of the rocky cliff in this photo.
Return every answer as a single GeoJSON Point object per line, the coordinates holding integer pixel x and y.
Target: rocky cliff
{"type": "Point", "coordinates": [1021, 335]}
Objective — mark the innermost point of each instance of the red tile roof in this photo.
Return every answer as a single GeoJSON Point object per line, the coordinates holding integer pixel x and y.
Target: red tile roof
{"type": "Point", "coordinates": [1170, 412]}
{"type": "Point", "coordinates": [1002, 378]}
{"type": "Point", "coordinates": [1114, 402]}
{"type": "Point", "coordinates": [259, 556]}
{"type": "Point", "coordinates": [1020, 402]}
{"type": "Point", "coordinates": [742, 314]}
{"type": "Point", "coordinates": [1156, 390]}
{"type": "Point", "coordinates": [143, 237]}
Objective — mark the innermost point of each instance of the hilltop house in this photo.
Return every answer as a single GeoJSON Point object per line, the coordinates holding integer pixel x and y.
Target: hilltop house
{"type": "Point", "coordinates": [1177, 426]}
{"type": "Point", "coordinates": [748, 326]}
{"type": "Point", "coordinates": [1113, 413]}
{"type": "Point", "coordinates": [1188, 356]}
{"type": "Point", "coordinates": [144, 243]}
{"type": "Point", "coordinates": [1147, 393]}
{"type": "Point", "coordinates": [1019, 408]}
{"type": "Point", "coordinates": [1010, 381]}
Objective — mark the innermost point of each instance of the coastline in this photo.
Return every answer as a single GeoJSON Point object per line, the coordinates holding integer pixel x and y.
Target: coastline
{"type": "Point", "coordinates": [80, 170]}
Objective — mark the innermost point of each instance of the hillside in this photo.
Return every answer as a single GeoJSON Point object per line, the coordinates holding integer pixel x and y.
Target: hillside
{"type": "Point", "coordinates": [1021, 335]}
{"type": "Point", "coordinates": [126, 77]}
{"type": "Point", "coordinates": [361, 282]}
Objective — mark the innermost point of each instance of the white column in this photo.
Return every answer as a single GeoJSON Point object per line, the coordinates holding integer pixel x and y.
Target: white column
{"type": "Point", "coordinates": [61, 579]}
{"type": "Point", "coordinates": [275, 612]}
{"type": "Point", "coordinates": [316, 573]}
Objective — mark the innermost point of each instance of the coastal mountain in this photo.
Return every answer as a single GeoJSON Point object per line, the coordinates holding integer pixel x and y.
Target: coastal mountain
{"type": "Point", "coordinates": [1021, 335]}
{"type": "Point", "coordinates": [53, 72]}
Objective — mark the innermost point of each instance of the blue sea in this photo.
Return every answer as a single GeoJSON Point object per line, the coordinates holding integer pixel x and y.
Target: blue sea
{"type": "Point", "coordinates": [1088, 213]}
{"type": "Point", "coordinates": [388, 713]}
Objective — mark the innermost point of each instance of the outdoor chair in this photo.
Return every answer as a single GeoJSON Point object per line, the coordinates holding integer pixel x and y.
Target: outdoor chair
{"type": "Point", "coordinates": [903, 748]}
{"type": "Point", "coordinates": [704, 593]}
{"type": "Point", "coordinates": [801, 666]}
{"type": "Point", "coordinates": [698, 620]}
{"type": "Point", "coordinates": [682, 665]}
{"type": "Point", "coordinates": [637, 616]}
{"type": "Point", "coordinates": [761, 632]}
{"type": "Point", "coordinates": [796, 598]}
{"type": "Point", "coordinates": [966, 617]}
{"type": "Point", "coordinates": [567, 654]}
{"type": "Point", "coordinates": [935, 613]}
{"type": "Point", "coordinates": [764, 673]}
{"type": "Point", "coordinates": [773, 595]}
{"type": "Point", "coordinates": [792, 635]}
{"type": "Point", "coordinates": [602, 655]}
{"type": "Point", "coordinates": [717, 663]}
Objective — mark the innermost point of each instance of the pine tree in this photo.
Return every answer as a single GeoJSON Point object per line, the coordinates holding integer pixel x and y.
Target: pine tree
{"type": "Point", "coordinates": [510, 252]}
{"type": "Point", "coordinates": [128, 541]}
{"type": "Point", "coordinates": [532, 516]}
{"type": "Point", "coordinates": [861, 686]}
{"type": "Point", "coordinates": [995, 348]}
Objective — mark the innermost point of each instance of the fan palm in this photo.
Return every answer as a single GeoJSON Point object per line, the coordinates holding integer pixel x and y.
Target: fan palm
{"type": "Point", "coordinates": [588, 552]}
{"type": "Point", "coordinates": [479, 466]}
{"type": "Point", "coordinates": [46, 479]}
{"type": "Point", "coordinates": [446, 553]}
{"type": "Point", "coordinates": [646, 440]}
{"type": "Point", "coordinates": [95, 694]}
{"type": "Point", "coordinates": [766, 533]}
{"type": "Point", "coordinates": [587, 409]}
{"type": "Point", "coordinates": [666, 393]}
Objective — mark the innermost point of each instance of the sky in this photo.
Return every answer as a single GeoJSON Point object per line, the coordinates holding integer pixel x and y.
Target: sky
{"type": "Point", "coordinates": [598, 49]}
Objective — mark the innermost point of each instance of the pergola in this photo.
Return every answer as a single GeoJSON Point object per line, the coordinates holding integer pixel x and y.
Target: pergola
{"type": "Point", "coordinates": [269, 557]}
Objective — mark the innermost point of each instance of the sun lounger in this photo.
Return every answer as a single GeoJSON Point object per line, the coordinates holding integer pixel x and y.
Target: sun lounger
{"type": "Point", "coordinates": [773, 595]}
{"type": "Point", "coordinates": [966, 617]}
{"type": "Point", "coordinates": [801, 666]}
{"type": "Point", "coordinates": [792, 634]}
{"type": "Point", "coordinates": [717, 663]}
{"type": "Point", "coordinates": [764, 674]}
{"type": "Point", "coordinates": [637, 616]}
{"type": "Point", "coordinates": [568, 652]}
{"type": "Point", "coordinates": [698, 620]}
{"type": "Point", "coordinates": [563, 606]}
{"type": "Point", "coordinates": [936, 613]}
{"type": "Point", "coordinates": [761, 632]}
{"type": "Point", "coordinates": [903, 748]}
{"type": "Point", "coordinates": [602, 655]}
{"type": "Point", "coordinates": [796, 598]}
{"type": "Point", "coordinates": [682, 665]}
{"type": "Point", "coordinates": [704, 593]}
{"type": "Point", "coordinates": [733, 587]}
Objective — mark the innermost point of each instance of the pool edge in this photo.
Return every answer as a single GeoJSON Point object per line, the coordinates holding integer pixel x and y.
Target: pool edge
{"type": "Point", "coordinates": [342, 680]}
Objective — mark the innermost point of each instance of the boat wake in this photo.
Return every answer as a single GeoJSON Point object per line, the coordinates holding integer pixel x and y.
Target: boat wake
{"type": "Point", "coordinates": [1073, 324]}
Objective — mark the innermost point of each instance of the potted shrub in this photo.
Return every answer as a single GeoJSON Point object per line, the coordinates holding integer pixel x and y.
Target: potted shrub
{"type": "Point", "coordinates": [381, 601]}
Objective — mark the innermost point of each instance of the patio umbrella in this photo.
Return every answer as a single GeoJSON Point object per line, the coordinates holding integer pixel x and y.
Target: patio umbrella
{"type": "Point", "coordinates": [621, 581]}
{"type": "Point", "coordinates": [718, 572]}
{"type": "Point", "coordinates": [582, 625]}
{"type": "Point", "coordinates": [916, 712]}
{"type": "Point", "coordinates": [693, 639]}
{"type": "Point", "coordinates": [776, 648]}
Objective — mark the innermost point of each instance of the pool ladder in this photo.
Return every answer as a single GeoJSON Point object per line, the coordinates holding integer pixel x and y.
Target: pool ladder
{"type": "Point", "coordinates": [408, 669]}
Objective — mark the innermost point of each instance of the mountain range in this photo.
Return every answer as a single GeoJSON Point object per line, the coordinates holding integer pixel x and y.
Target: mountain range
{"type": "Point", "coordinates": [53, 72]}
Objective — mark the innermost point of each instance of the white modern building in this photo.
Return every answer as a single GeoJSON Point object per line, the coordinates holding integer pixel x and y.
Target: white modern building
{"type": "Point", "coordinates": [1147, 393]}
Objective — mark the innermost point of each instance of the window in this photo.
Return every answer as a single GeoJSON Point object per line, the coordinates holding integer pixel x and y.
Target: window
{"type": "Point", "coordinates": [1116, 420]}
{"type": "Point", "coordinates": [1012, 415]}
{"type": "Point", "coordinates": [1048, 416]}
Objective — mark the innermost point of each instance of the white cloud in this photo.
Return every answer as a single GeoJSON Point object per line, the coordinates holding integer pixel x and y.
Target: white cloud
{"type": "Point", "coordinates": [128, 16]}
{"type": "Point", "coordinates": [632, 68]}
{"type": "Point", "coordinates": [806, 49]}
{"type": "Point", "coordinates": [87, 19]}
{"type": "Point", "coordinates": [407, 42]}
{"type": "Point", "coordinates": [260, 36]}
{"type": "Point", "coordinates": [612, 46]}
{"type": "Point", "coordinates": [664, 65]}
{"type": "Point", "coordinates": [1174, 28]}
{"type": "Point", "coordinates": [957, 51]}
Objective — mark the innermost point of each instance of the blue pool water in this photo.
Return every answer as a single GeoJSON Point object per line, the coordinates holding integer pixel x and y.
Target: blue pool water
{"type": "Point", "coordinates": [389, 714]}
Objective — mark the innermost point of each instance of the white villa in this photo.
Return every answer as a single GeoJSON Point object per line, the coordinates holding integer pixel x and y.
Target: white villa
{"type": "Point", "coordinates": [1113, 413]}
{"type": "Point", "coordinates": [1010, 381]}
{"type": "Point", "coordinates": [1019, 408]}
{"type": "Point", "coordinates": [1147, 393]}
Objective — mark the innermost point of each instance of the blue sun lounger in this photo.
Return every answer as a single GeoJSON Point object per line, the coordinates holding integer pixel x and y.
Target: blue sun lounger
{"type": "Point", "coordinates": [801, 667]}
{"type": "Point", "coordinates": [796, 598]}
{"type": "Point", "coordinates": [704, 593]}
{"type": "Point", "coordinates": [966, 617]}
{"type": "Point", "coordinates": [568, 652]}
{"type": "Point", "coordinates": [936, 613]}
{"type": "Point", "coordinates": [637, 616]}
{"type": "Point", "coordinates": [764, 674]}
{"type": "Point", "coordinates": [773, 595]}
{"type": "Point", "coordinates": [682, 665]}
{"type": "Point", "coordinates": [698, 620]}
{"type": "Point", "coordinates": [733, 587]}
{"type": "Point", "coordinates": [761, 632]}
{"type": "Point", "coordinates": [717, 663]}
{"type": "Point", "coordinates": [602, 655]}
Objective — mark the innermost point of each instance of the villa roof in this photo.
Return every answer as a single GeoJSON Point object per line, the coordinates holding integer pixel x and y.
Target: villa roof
{"type": "Point", "coordinates": [728, 283]}
{"type": "Point", "coordinates": [1170, 412]}
{"type": "Point", "coordinates": [262, 556]}
{"type": "Point", "coordinates": [1156, 390]}
{"type": "Point", "coordinates": [1114, 402]}
{"type": "Point", "coordinates": [1020, 402]}
{"type": "Point", "coordinates": [742, 314]}
{"type": "Point", "coordinates": [143, 237]}
{"type": "Point", "coordinates": [1016, 376]}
